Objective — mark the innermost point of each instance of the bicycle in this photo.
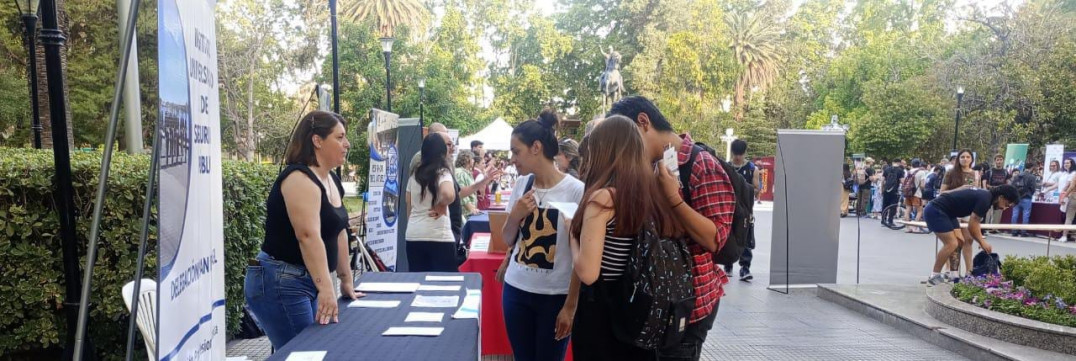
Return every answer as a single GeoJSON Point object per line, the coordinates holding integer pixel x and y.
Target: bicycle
{"type": "Point", "coordinates": [901, 210]}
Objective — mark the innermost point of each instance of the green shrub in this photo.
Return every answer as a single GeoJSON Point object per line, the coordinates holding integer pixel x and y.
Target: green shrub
{"type": "Point", "coordinates": [1048, 279]}
{"type": "Point", "coordinates": [31, 275]}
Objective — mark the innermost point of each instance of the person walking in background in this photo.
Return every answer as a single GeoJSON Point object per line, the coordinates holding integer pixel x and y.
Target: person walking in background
{"type": "Point", "coordinates": [846, 188]}
{"type": "Point", "coordinates": [568, 158]}
{"type": "Point", "coordinates": [932, 184]}
{"type": "Point", "coordinates": [865, 179]}
{"type": "Point", "coordinates": [891, 193]}
{"type": "Point", "coordinates": [749, 172]}
{"type": "Point", "coordinates": [621, 198]}
{"type": "Point", "coordinates": [481, 168]}
{"type": "Point", "coordinates": [465, 161]}
{"type": "Point", "coordinates": [431, 244]}
{"type": "Point", "coordinates": [540, 289]}
{"type": "Point", "coordinates": [1026, 184]}
{"type": "Point", "coordinates": [706, 213]}
{"type": "Point", "coordinates": [877, 193]}
{"type": "Point", "coordinates": [1068, 197]}
{"type": "Point", "coordinates": [961, 177]}
{"type": "Point", "coordinates": [288, 287]}
{"type": "Point", "coordinates": [994, 177]}
{"type": "Point", "coordinates": [914, 197]}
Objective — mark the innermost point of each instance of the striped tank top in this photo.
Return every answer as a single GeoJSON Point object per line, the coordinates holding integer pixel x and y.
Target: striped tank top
{"type": "Point", "coordinates": [615, 253]}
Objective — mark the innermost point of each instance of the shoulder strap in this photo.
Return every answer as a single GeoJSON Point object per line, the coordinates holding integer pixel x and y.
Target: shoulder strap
{"type": "Point", "coordinates": [530, 184]}
{"type": "Point", "coordinates": [685, 174]}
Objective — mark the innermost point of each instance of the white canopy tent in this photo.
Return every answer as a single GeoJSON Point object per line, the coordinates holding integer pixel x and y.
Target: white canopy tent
{"type": "Point", "coordinates": [495, 136]}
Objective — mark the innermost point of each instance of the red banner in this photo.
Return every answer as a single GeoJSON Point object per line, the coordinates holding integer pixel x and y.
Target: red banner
{"type": "Point", "coordinates": [766, 172]}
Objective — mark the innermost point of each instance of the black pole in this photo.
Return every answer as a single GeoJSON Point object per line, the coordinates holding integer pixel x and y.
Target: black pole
{"type": "Point", "coordinates": [53, 40]}
{"type": "Point", "coordinates": [421, 103]}
{"type": "Point", "coordinates": [956, 128]}
{"type": "Point", "coordinates": [388, 83]}
{"type": "Point", "coordinates": [102, 178]}
{"type": "Point", "coordinates": [336, 68]}
{"type": "Point", "coordinates": [30, 20]}
{"type": "Point", "coordinates": [150, 192]}
{"type": "Point", "coordinates": [336, 58]}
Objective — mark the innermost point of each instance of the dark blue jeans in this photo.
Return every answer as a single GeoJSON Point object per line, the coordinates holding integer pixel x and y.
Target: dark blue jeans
{"type": "Point", "coordinates": [531, 320]}
{"type": "Point", "coordinates": [1024, 207]}
{"type": "Point", "coordinates": [282, 297]}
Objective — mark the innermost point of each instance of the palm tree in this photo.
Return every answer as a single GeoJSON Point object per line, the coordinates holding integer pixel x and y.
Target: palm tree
{"type": "Point", "coordinates": [755, 44]}
{"type": "Point", "coordinates": [388, 14]}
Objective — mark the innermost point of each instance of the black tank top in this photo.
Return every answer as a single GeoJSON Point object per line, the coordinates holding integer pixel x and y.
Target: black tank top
{"type": "Point", "coordinates": [280, 240]}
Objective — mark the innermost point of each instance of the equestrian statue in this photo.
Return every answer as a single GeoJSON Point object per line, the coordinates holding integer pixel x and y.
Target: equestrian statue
{"type": "Point", "coordinates": [611, 82]}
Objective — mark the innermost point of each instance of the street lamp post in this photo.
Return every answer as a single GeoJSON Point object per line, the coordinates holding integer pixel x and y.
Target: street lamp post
{"type": "Point", "coordinates": [53, 40]}
{"type": "Point", "coordinates": [835, 126]}
{"type": "Point", "coordinates": [728, 138]}
{"type": "Point", "coordinates": [959, 108]}
{"type": "Point", "coordinates": [28, 11]}
{"type": "Point", "coordinates": [336, 59]}
{"type": "Point", "coordinates": [421, 101]}
{"type": "Point", "coordinates": [386, 48]}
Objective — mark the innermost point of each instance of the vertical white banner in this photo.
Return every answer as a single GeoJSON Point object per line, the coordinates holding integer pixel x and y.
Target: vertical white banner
{"type": "Point", "coordinates": [1054, 153]}
{"type": "Point", "coordinates": [385, 192]}
{"type": "Point", "coordinates": [190, 288]}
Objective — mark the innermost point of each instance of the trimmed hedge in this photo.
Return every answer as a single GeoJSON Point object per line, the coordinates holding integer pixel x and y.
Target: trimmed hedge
{"type": "Point", "coordinates": [31, 274]}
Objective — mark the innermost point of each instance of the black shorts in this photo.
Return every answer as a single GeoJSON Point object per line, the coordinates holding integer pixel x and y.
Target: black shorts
{"type": "Point", "coordinates": [938, 221]}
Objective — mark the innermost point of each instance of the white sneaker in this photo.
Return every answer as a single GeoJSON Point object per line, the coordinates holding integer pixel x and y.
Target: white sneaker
{"type": "Point", "coordinates": [1062, 240]}
{"type": "Point", "coordinates": [936, 279]}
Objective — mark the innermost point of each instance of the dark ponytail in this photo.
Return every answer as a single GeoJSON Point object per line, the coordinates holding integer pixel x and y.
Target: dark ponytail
{"type": "Point", "coordinates": [543, 130]}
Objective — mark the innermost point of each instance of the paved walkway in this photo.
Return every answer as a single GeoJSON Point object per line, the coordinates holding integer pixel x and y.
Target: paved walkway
{"type": "Point", "coordinates": [758, 324]}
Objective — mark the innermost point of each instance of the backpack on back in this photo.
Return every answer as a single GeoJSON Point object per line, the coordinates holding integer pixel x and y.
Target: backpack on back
{"type": "Point", "coordinates": [743, 219]}
{"type": "Point", "coordinates": [907, 186]}
{"type": "Point", "coordinates": [931, 185]}
{"type": "Point", "coordinates": [1025, 184]}
{"type": "Point", "coordinates": [655, 296]}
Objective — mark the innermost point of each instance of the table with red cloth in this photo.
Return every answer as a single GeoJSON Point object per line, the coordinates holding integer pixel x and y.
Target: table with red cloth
{"type": "Point", "coordinates": [1041, 213]}
{"type": "Point", "coordinates": [494, 334]}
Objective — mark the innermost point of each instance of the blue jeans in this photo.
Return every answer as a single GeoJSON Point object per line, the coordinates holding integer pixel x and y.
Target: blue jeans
{"type": "Point", "coordinates": [282, 297]}
{"type": "Point", "coordinates": [1023, 207]}
{"type": "Point", "coordinates": [531, 320]}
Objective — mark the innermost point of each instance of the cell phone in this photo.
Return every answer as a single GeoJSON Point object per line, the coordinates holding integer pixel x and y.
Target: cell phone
{"type": "Point", "coordinates": [669, 160]}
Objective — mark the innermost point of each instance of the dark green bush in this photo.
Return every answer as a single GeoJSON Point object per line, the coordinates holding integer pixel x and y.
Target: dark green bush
{"type": "Point", "coordinates": [31, 274]}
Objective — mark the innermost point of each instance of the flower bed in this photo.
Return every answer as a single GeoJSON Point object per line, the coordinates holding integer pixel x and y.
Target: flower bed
{"type": "Point", "coordinates": [1040, 288]}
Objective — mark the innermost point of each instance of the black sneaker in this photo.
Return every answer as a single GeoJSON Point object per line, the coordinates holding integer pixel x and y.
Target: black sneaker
{"type": "Point", "coordinates": [745, 275]}
{"type": "Point", "coordinates": [728, 269]}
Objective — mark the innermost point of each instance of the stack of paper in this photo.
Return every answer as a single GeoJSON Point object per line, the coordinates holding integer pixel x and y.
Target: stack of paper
{"type": "Point", "coordinates": [439, 288]}
{"type": "Point", "coordinates": [374, 304]}
{"type": "Point", "coordinates": [480, 243]}
{"type": "Point", "coordinates": [387, 287]}
{"type": "Point", "coordinates": [425, 317]}
{"type": "Point", "coordinates": [413, 331]}
{"type": "Point", "coordinates": [306, 356]}
{"type": "Point", "coordinates": [469, 308]}
{"type": "Point", "coordinates": [432, 278]}
{"type": "Point", "coordinates": [435, 301]}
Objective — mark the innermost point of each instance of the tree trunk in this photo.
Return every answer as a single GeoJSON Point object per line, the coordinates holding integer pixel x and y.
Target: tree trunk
{"type": "Point", "coordinates": [43, 83]}
{"type": "Point", "coordinates": [248, 151]}
{"type": "Point", "coordinates": [740, 84]}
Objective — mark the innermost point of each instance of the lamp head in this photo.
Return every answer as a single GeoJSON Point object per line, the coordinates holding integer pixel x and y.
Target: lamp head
{"type": "Point", "coordinates": [422, 83]}
{"type": "Point", "coordinates": [27, 7]}
{"type": "Point", "coordinates": [386, 44]}
{"type": "Point", "coordinates": [728, 132]}
{"type": "Point", "coordinates": [960, 90]}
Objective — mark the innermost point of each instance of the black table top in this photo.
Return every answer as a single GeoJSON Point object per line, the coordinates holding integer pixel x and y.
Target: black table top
{"type": "Point", "coordinates": [358, 334]}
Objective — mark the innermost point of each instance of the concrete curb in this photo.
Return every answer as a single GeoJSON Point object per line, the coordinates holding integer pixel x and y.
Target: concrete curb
{"type": "Point", "coordinates": [946, 308]}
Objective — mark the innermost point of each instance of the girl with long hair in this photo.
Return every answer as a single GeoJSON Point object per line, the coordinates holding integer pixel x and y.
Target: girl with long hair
{"type": "Point", "coordinates": [431, 245]}
{"type": "Point", "coordinates": [622, 197]}
{"type": "Point", "coordinates": [540, 289]}
{"type": "Point", "coordinates": [961, 177]}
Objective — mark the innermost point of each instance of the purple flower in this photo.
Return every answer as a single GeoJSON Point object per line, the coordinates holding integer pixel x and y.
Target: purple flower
{"type": "Point", "coordinates": [987, 303]}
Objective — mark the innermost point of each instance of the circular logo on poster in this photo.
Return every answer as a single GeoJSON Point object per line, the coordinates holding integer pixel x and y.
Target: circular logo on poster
{"type": "Point", "coordinates": [391, 193]}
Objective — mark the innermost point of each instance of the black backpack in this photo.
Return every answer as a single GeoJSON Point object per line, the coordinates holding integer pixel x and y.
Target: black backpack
{"type": "Point", "coordinates": [655, 296]}
{"type": "Point", "coordinates": [743, 219]}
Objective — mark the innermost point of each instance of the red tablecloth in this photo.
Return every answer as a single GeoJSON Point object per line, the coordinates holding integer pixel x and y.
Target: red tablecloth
{"type": "Point", "coordinates": [494, 335]}
{"type": "Point", "coordinates": [1041, 213]}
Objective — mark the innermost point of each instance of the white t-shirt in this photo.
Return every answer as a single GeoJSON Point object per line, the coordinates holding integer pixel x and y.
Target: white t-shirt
{"type": "Point", "coordinates": [920, 181]}
{"type": "Point", "coordinates": [1056, 178]}
{"type": "Point", "coordinates": [541, 260]}
{"type": "Point", "coordinates": [420, 227]}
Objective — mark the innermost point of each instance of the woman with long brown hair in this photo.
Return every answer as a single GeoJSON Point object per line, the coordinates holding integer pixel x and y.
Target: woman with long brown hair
{"type": "Point", "coordinates": [962, 176]}
{"type": "Point", "coordinates": [622, 197]}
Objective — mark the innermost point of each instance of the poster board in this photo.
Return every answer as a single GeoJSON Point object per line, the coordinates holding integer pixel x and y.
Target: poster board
{"type": "Point", "coordinates": [190, 290]}
{"type": "Point", "coordinates": [384, 191]}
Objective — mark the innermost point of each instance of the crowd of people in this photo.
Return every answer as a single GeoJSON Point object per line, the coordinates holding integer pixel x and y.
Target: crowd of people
{"type": "Point", "coordinates": [956, 190]}
{"type": "Point", "coordinates": [636, 182]}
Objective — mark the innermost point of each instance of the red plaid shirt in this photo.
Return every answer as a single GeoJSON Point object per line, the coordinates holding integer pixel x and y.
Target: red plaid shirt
{"type": "Point", "coordinates": [713, 197]}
